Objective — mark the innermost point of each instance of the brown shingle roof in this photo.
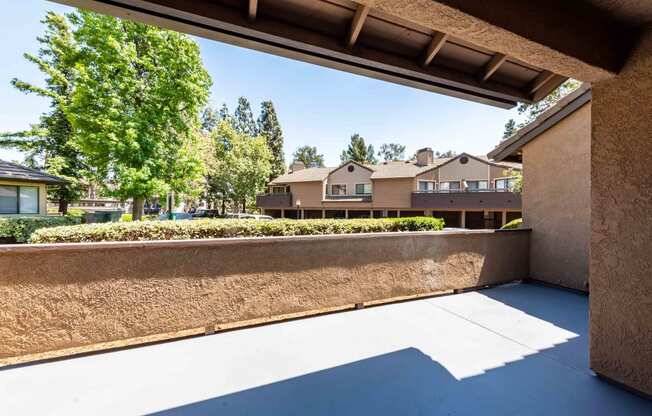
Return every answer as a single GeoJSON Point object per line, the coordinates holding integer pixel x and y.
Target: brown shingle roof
{"type": "Point", "coordinates": [304, 175]}
{"type": "Point", "coordinates": [12, 171]}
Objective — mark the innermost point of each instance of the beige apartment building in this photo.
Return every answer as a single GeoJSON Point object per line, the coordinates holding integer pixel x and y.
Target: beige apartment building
{"type": "Point", "coordinates": [466, 191]}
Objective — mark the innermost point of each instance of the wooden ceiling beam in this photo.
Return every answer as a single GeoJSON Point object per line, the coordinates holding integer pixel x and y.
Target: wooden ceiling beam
{"type": "Point", "coordinates": [492, 66]}
{"type": "Point", "coordinates": [435, 45]}
{"type": "Point", "coordinates": [547, 87]}
{"type": "Point", "coordinates": [253, 9]}
{"type": "Point", "coordinates": [356, 24]}
{"type": "Point", "coordinates": [540, 81]}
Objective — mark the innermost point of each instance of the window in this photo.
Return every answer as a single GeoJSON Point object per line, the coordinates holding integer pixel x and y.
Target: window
{"type": "Point", "coordinates": [426, 186]}
{"type": "Point", "coordinates": [505, 183]}
{"type": "Point", "coordinates": [18, 199]}
{"type": "Point", "coordinates": [363, 189]}
{"type": "Point", "coordinates": [279, 189]}
{"type": "Point", "coordinates": [475, 185]}
{"type": "Point", "coordinates": [338, 189]}
{"type": "Point", "coordinates": [449, 186]}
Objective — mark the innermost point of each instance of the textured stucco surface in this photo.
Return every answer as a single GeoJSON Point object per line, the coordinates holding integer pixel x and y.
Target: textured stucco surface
{"type": "Point", "coordinates": [621, 223]}
{"type": "Point", "coordinates": [66, 296]}
{"type": "Point", "coordinates": [557, 201]}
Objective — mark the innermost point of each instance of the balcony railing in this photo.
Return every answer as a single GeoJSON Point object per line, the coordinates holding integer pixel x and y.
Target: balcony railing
{"type": "Point", "coordinates": [276, 200]}
{"type": "Point", "coordinates": [358, 197]}
{"type": "Point", "coordinates": [472, 199]}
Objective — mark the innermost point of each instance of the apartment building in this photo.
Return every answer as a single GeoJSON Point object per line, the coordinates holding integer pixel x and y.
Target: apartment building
{"type": "Point", "coordinates": [466, 191]}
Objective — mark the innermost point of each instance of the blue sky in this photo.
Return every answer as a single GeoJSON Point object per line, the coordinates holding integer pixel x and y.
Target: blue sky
{"type": "Point", "coordinates": [316, 106]}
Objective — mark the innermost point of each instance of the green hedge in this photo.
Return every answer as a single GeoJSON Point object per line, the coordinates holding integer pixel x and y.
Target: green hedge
{"type": "Point", "coordinates": [513, 224]}
{"type": "Point", "coordinates": [18, 229]}
{"type": "Point", "coordinates": [227, 228]}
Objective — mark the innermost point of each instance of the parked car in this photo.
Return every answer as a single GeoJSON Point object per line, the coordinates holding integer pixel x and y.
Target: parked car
{"type": "Point", "coordinates": [242, 216]}
{"type": "Point", "coordinates": [176, 216]}
{"type": "Point", "coordinates": [206, 213]}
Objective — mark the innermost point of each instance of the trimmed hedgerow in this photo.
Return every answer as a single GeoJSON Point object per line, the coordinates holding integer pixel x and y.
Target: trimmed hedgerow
{"type": "Point", "coordinates": [227, 228]}
{"type": "Point", "coordinates": [18, 229]}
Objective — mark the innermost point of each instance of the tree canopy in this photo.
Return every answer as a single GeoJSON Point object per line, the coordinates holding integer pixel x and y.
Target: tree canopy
{"type": "Point", "coordinates": [270, 129]}
{"type": "Point", "coordinates": [243, 118]}
{"type": "Point", "coordinates": [358, 151]}
{"type": "Point", "coordinates": [309, 156]}
{"type": "Point", "coordinates": [392, 151]}
{"type": "Point", "coordinates": [139, 90]}
{"type": "Point", "coordinates": [50, 144]}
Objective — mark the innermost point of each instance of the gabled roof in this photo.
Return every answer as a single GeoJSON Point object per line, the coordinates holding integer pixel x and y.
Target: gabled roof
{"type": "Point", "coordinates": [303, 175]}
{"type": "Point", "coordinates": [511, 147]}
{"type": "Point", "coordinates": [387, 170]}
{"type": "Point", "coordinates": [12, 171]}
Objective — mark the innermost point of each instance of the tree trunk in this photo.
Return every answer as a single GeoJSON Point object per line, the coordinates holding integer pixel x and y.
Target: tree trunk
{"type": "Point", "coordinates": [63, 206]}
{"type": "Point", "coordinates": [137, 208]}
{"type": "Point", "coordinates": [244, 206]}
{"type": "Point", "coordinates": [223, 206]}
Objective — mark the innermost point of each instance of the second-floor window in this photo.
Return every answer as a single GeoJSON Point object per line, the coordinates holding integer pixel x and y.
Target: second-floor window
{"type": "Point", "coordinates": [449, 186]}
{"type": "Point", "coordinates": [363, 189]}
{"type": "Point", "coordinates": [426, 186]}
{"type": "Point", "coordinates": [338, 189]}
{"type": "Point", "coordinates": [475, 185]}
{"type": "Point", "coordinates": [505, 183]}
{"type": "Point", "coordinates": [279, 189]}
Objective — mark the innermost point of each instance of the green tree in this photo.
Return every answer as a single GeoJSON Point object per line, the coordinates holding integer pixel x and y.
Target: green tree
{"type": "Point", "coordinates": [391, 151]}
{"type": "Point", "coordinates": [309, 157]}
{"type": "Point", "coordinates": [447, 153]}
{"type": "Point", "coordinates": [270, 129]}
{"type": "Point", "coordinates": [358, 151]}
{"type": "Point", "coordinates": [243, 118]}
{"type": "Point", "coordinates": [209, 119]}
{"type": "Point", "coordinates": [241, 166]}
{"type": "Point", "coordinates": [50, 143]}
{"type": "Point", "coordinates": [135, 108]}
{"type": "Point", "coordinates": [533, 110]}
{"type": "Point", "coordinates": [510, 129]}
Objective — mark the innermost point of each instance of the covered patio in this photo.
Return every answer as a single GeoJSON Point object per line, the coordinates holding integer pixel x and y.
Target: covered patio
{"type": "Point", "coordinates": [511, 350]}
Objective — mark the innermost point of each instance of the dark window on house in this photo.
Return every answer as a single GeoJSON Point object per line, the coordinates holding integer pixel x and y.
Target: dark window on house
{"type": "Point", "coordinates": [350, 168]}
{"type": "Point", "coordinates": [363, 189]}
{"type": "Point", "coordinates": [18, 199]}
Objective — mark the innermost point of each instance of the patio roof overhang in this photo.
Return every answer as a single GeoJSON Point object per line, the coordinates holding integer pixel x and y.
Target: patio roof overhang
{"type": "Point", "coordinates": [363, 37]}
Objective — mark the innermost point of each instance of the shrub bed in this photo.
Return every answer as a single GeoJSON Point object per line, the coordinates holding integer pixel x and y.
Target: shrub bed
{"type": "Point", "coordinates": [19, 229]}
{"type": "Point", "coordinates": [226, 228]}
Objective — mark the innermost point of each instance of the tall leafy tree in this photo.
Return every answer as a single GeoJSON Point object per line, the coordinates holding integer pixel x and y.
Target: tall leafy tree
{"type": "Point", "coordinates": [309, 157]}
{"type": "Point", "coordinates": [510, 128]}
{"type": "Point", "coordinates": [391, 151]}
{"type": "Point", "coordinates": [270, 129]}
{"type": "Point", "coordinates": [135, 108]}
{"type": "Point", "coordinates": [358, 151]}
{"type": "Point", "coordinates": [241, 166]}
{"type": "Point", "coordinates": [243, 118]}
{"type": "Point", "coordinates": [209, 119]}
{"type": "Point", "coordinates": [50, 143]}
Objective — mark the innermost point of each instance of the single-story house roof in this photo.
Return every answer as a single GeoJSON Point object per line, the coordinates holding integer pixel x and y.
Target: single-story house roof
{"type": "Point", "coordinates": [511, 147]}
{"type": "Point", "coordinates": [13, 171]}
{"type": "Point", "coordinates": [387, 170]}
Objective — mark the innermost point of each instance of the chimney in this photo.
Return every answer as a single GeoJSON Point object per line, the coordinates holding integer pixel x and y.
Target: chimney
{"type": "Point", "coordinates": [297, 166]}
{"type": "Point", "coordinates": [424, 156]}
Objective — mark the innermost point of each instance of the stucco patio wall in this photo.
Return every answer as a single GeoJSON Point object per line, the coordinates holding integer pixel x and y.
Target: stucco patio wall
{"type": "Point", "coordinates": [69, 298]}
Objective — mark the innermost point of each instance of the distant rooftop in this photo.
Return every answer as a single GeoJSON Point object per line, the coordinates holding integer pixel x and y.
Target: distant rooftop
{"type": "Point", "coordinates": [13, 171]}
{"type": "Point", "coordinates": [386, 170]}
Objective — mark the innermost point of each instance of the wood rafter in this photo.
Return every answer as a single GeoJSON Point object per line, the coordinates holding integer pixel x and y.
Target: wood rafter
{"type": "Point", "coordinates": [492, 66]}
{"type": "Point", "coordinates": [435, 45]}
{"type": "Point", "coordinates": [540, 81]}
{"type": "Point", "coordinates": [253, 9]}
{"type": "Point", "coordinates": [356, 24]}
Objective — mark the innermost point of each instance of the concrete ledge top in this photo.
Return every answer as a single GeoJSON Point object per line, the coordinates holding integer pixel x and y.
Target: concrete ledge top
{"type": "Point", "coordinates": [24, 248]}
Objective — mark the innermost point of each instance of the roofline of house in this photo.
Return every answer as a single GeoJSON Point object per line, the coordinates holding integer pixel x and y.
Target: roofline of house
{"type": "Point", "coordinates": [565, 107]}
{"type": "Point", "coordinates": [48, 179]}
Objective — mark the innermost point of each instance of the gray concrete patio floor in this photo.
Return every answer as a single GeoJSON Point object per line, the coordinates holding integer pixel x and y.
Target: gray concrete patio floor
{"type": "Point", "coordinates": [512, 350]}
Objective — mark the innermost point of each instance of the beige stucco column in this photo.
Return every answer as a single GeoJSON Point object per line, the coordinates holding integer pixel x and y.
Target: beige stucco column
{"type": "Point", "coordinates": [463, 219]}
{"type": "Point", "coordinates": [504, 217]}
{"type": "Point", "coordinates": [323, 213]}
{"type": "Point", "coordinates": [282, 213]}
{"type": "Point", "coordinates": [346, 213]}
{"type": "Point", "coordinates": [371, 213]}
{"type": "Point", "coordinates": [621, 223]}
